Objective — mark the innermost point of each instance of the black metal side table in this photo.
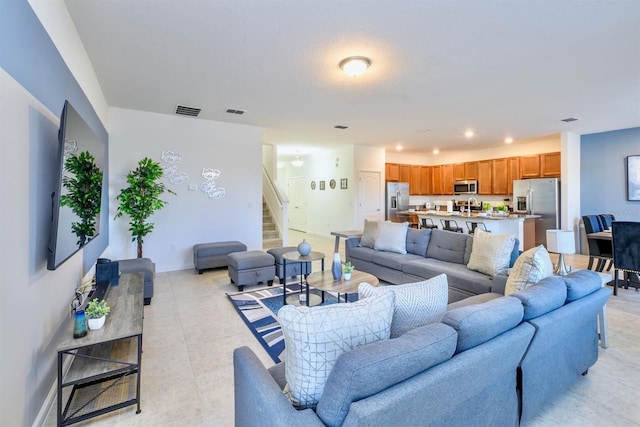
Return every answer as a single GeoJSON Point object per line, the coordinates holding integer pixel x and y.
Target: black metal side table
{"type": "Point", "coordinates": [294, 256]}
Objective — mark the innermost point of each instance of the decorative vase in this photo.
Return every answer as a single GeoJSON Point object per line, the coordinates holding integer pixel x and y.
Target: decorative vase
{"type": "Point", "coordinates": [336, 267]}
{"type": "Point", "coordinates": [347, 276]}
{"type": "Point", "coordinates": [80, 324]}
{"type": "Point", "coordinates": [95, 324]}
{"type": "Point", "coordinates": [304, 248]}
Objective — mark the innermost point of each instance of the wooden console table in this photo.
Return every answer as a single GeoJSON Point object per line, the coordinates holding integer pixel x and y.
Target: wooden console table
{"type": "Point", "coordinates": [104, 375]}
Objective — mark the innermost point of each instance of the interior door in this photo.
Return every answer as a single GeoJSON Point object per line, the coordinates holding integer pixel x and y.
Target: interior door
{"type": "Point", "coordinates": [297, 203]}
{"type": "Point", "coordinates": [369, 195]}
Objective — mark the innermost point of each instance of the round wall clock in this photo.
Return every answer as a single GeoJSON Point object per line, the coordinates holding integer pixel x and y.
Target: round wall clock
{"type": "Point", "coordinates": [332, 183]}
{"type": "Point", "coordinates": [313, 185]}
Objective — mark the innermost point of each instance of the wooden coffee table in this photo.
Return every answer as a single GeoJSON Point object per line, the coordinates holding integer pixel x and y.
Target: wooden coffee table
{"type": "Point", "coordinates": [323, 280]}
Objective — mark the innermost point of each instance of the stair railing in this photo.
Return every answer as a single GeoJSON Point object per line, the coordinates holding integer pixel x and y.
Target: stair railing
{"type": "Point", "coordinates": [277, 202]}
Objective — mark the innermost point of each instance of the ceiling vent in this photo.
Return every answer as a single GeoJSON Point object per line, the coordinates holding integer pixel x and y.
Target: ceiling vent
{"type": "Point", "coordinates": [569, 119]}
{"type": "Point", "coordinates": [235, 111]}
{"type": "Point", "coordinates": [187, 111]}
{"type": "Point", "coordinates": [341, 127]}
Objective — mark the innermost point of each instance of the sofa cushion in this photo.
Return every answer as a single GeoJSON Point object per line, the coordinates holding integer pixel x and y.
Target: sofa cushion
{"type": "Point", "coordinates": [532, 266]}
{"type": "Point", "coordinates": [458, 275]}
{"type": "Point", "coordinates": [370, 369]}
{"type": "Point", "coordinates": [490, 252]}
{"type": "Point", "coordinates": [315, 336]}
{"type": "Point", "coordinates": [478, 323]}
{"type": "Point", "coordinates": [543, 297]}
{"type": "Point", "coordinates": [369, 234]}
{"type": "Point", "coordinates": [416, 304]}
{"type": "Point", "coordinates": [581, 283]}
{"type": "Point", "coordinates": [392, 237]}
{"type": "Point", "coordinates": [360, 252]}
{"type": "Point", "coordinates": [392, 259]}
{"type": "Point", "coordinates": [448, 246]}
{"type": "Point", "coordinates": [418, 241]}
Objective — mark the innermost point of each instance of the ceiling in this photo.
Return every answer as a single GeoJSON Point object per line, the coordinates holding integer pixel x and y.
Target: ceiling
{"type": "Point", "coordinates": [438, 68]}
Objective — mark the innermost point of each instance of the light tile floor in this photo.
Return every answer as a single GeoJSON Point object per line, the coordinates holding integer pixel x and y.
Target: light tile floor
{"type": "Point", "coordinates": [191, 329]}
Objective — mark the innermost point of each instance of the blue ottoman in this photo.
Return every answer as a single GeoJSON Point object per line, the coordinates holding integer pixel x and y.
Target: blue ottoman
{"type": "Point", "coordinates": [214, 255]}
{"type": "Point", "coordinates": [251, 268]}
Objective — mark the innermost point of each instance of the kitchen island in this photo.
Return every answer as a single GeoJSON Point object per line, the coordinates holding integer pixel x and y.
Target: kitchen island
{"type": "Point", "coordinates": [522, 226]}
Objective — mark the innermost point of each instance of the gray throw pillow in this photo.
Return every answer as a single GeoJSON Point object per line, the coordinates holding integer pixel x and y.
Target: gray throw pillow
{"type": "Point", "coordinates": [392, 237]}
{"type": "Point", "coordinates": [369, 234]}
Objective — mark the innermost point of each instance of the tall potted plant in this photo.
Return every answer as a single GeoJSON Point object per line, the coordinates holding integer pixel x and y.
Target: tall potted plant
{"type": "Point", "coordinates": [141, 199]}
{"type": "Point", "coordinates": [84, 189]}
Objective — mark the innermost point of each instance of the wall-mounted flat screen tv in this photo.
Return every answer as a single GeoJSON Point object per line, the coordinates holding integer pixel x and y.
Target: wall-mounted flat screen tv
{"type": "Point", "coordinates": [75, 204]}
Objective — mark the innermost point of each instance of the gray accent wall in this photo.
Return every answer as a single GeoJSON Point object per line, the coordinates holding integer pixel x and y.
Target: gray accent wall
{"type": "Point", "coordinates": [603, 182]}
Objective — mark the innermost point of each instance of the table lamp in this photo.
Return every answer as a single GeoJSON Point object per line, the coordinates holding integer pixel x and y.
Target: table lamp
{"type": "Point", "coordinates": [561, 242]}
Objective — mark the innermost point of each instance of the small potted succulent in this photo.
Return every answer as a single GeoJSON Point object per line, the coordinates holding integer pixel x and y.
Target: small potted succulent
{"type": "Point", "coordinates": [96, 312]}
{"type": "Point", "coordinates": [347, 269]}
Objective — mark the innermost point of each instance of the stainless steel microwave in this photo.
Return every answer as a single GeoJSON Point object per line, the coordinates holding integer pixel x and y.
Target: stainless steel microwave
{"type": "Point", "coordinates": [465, 187]}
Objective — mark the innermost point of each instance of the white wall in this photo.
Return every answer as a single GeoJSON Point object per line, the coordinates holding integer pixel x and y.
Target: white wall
{"type": "Point", "coordinates": [191, 217]}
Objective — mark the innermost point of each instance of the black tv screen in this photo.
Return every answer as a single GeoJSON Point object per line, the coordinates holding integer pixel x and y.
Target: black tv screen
{"type": "Point", "coordinates": [76, 201]}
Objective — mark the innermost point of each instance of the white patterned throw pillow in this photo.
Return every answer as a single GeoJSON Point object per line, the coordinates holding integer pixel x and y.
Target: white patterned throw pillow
{"type": "Point", "coordinates": [531, 266]}
{"type": "Point", "coordinates": [314, 337]}
{"type": "Point", "coordinates": [416, 304]}
{"type": "Point", "coordinates": [392, 237]}
{"type": "Point", "coordinates": [490, 252]}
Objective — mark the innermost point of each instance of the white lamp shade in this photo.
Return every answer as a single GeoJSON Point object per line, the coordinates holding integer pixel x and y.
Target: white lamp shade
{"type": "Point", "coordinates": [561, 241]}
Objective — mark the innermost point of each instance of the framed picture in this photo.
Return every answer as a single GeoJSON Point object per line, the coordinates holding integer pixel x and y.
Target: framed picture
{"type": "Point", "coordinates": [322, 185]}
{"type": "Point", "coordinates": [343, 183]}
{"type": "Point", "coordinates": [313, 185]}
{"type": "Point", "coordinates": [332, 184]}
{"type": "Point", "coordinates": [633, 178]}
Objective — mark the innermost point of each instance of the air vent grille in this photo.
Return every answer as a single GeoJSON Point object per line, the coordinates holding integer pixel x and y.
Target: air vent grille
{"type": "Point", "coordinates": [235, 111]}
{"type": "Point", "coordinates": [569, 119]}
{"type": "Point", "coordinates": [341, 127]}
{"type": "Point", "coordinates": [188, 111]}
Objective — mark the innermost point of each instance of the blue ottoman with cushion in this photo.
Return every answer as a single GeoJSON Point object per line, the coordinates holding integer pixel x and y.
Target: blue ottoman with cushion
{"type": "Point", "coordinates": [251, 268]}
{"type": "Point", "coordinates": [214, 255]}
{"type": "Point", "coordinates": [294, 269]}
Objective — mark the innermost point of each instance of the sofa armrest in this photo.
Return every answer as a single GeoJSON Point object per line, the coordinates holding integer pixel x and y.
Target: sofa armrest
{"type": "Point", "coordinates": [348, 244]}
{"type": "Point", "coordinates": [259, 401]}
{"type": "Point", "coordinates": [499, 282]}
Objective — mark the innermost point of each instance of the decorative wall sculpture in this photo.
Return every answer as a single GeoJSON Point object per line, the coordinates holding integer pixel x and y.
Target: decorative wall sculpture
{"type": "Point", "coordinates": [209, 186]}
{"type": "Point", "coordinates": [170, 169]}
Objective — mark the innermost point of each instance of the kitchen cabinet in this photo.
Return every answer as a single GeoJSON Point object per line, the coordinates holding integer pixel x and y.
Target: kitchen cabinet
{"type": "Point", "coordinates": [499, 176]}
{"type": "Point", "coordinates": [392, 172]}
{"type": "Point", "coordinates": [458, 172]}
{"type": "Point", "coordinates": [405, 173]}
{"type": "Point", "coordinates": [415, 180]}
{"type": "Point", "coordinates": [550, 164]}
{"type": "Point", "coordinates": [447, 179]}
{"type": "Point", "coordinates": [530, 166]}
{"type": "Point", "coordinates": [426, 180]}
{"type": "Point", "coordinates": [471, 170]}
{"type": "Point", "coordinates": [513, 172]}
{"type": "Point", "coordinates": [437, 180]}
{"type": "Point", "coordinates": [484, 177]}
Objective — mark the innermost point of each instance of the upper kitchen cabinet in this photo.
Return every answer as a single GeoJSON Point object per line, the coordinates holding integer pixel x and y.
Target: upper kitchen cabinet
{"type": "Point", "coordinates": [484, 177]}
{"type": "Point", "coordinates": [405, 173]}
{"type": "Point", "coordinates": [392, 172]}
{"type": "Point", "coordinates": [471, 170]}
{"type": "Point", "coordinates": [530, 166]}
{"type": "Point", "coordinates": [415, 180]}
{"type": "Point", "coordinates": [426, 179]}
{"type": "Point", "coordinates": [437, 179]}
{"type": "Point", "coordinates": [499, 176]}
{"type": "Point", "coordinates": [447, 179]}
{"type": "Point", "coordinates": [458, 172]}
{"type": "Point", "coordinates": [550, 164]}
{"type": "Point", "coordinates": [513, 172]}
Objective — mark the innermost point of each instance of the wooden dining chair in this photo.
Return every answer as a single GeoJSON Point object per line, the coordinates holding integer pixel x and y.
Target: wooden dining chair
{"type": "Point", "coordinates": [599, 250]}
{"type": "Point", "coordinates": [626, 253]}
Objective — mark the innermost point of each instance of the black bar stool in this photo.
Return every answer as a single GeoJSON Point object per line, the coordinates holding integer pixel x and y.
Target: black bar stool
{"type": "Point", "coordinates": [471, 225]}
{"type": "Point", "coordinates": [427, 223]}
{"type": "Point", "coordinates": [451, 225]}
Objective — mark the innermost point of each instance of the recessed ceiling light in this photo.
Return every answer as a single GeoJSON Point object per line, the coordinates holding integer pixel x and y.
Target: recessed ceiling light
{"type": "Point", "coordinates": [436, 151]}
{"type": "Point", "coordinates": [508, 140]}
{"type": "Point", "coordinates": [355, 65]}
{"type": "Point", "coordinates": [469, 133]}
{"type": "Point", "coordinates": [399, 147]}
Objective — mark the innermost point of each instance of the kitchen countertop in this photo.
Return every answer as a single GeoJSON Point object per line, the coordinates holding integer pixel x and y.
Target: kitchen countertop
{"type": "Point", "coordinates": [473, 215]}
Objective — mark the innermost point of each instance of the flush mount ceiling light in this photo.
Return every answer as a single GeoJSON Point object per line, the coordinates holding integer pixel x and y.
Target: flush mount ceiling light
{"type": "Point", "coordinates": [297, 162]}
{"type": "Point", "coordinates": [355, 65]}
{"type": "Point", "coordinates": [436, 151]}
{"type": "Point", "coordinates": [399, 147]}
{"type": "Point", "coordinates": [508, 140]}
{"type": "Point", "coordinates": [469, 133]}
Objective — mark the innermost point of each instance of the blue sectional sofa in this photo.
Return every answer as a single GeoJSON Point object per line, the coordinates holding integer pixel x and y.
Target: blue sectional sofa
{"type": "Point", "coordinates": [429, 253]}
{"type": "Point", "coordinates": [488, 354]}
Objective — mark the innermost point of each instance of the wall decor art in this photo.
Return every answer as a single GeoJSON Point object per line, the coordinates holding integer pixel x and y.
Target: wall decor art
{"type": "Point", "coordinates": [633, 178]}
{"type": "Point", "coordinates": [209, 186]}
{"type": "Point", "coordinates": [321, 185]}
{"type": "Point", "coordinates": [332, 184]}
{"type": "Point", "coordinates": [170, 168]}
{"type": "Point", "coordinates": [343, 184]}
{"type": "Point", "coordinates": [313, 185]}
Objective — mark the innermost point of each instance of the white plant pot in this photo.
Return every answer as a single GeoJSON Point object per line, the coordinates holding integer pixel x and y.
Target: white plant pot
{"type": "Point", "coordinates": [347, 276]}
{"type": "Point", "coordinates": [96, 323]}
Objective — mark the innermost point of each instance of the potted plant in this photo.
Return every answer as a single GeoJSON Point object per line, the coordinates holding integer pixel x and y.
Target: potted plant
{"type": "Point", "coordinates": [347, 269]}
{"type": "Point", "coordinates": [96, 311]}
{"type": "Point", "coordinates": [84, 189]}
{"type": "Point", "coordinates": [141, 199]}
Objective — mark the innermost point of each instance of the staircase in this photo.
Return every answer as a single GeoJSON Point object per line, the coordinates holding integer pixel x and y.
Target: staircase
{"type": "Point", "coordinates": [270, 235]}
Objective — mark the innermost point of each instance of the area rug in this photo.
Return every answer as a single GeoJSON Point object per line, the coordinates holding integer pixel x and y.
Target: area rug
{"type": "Point", "coordinates": [258, 309]}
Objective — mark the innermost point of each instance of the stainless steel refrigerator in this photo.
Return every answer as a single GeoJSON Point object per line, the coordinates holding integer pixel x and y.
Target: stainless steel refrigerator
{"type": "Point", "coordinates": [539, 197]}
{"type": "Point", "coordinates": [397, 199]}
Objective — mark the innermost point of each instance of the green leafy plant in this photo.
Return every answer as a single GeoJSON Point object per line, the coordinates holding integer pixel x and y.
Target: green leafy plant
{"type": "Point", "coordinates": [97, 308]}
{"type": "Point", "coordinates": [141, 199]}
{"type": "Point", "coordinates": [83, 183]}
{"type": "Point", "coordinates": [486, 206]}
{"type": "Point", "coordinates": [501, 208]}
{"type": "Point", "coordinates": [347, 267]}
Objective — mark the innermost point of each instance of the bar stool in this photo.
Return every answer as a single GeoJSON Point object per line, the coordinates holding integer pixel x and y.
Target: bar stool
{"type": "Point", "coordinates": [451, 225]}
{"type": "Point", "coordinates": [472, 225]}
{"type": "Point", "coordinates": [428, 223]}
